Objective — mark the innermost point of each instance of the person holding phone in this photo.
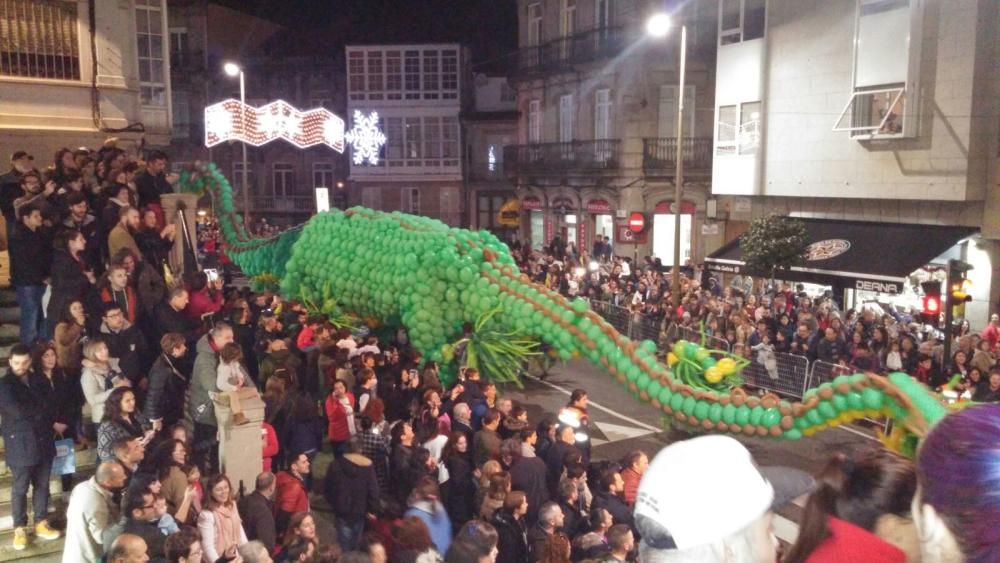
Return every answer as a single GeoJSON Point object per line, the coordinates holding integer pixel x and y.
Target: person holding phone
{"type": "Point", "coordinates": [204, 297]}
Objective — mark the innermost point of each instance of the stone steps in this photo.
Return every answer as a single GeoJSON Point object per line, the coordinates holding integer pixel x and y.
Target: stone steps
{"type": "Point", "coordinates": [38, 551]}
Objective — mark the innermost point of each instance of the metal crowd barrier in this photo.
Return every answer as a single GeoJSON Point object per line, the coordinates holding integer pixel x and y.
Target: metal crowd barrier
{"type": "Point", "coordinates": [789, 376]}
{"type": "Point", "coordinates": [824, 372]}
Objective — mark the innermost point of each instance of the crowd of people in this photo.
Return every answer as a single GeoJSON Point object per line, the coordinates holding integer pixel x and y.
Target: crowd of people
{"type": "Point", "coordinates": [133, 365]}
{"type": "Point", "coordinates": [759, 321]}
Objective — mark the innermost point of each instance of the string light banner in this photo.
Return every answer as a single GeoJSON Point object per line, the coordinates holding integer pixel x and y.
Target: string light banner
{"type": "Point", "coordinates": [232, 120]}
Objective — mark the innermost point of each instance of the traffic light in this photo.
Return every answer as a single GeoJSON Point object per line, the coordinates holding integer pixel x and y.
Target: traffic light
{"type": "Point", "coordinates": [958, 287]}
{"type": "Point", "coordinates": [932, 302]}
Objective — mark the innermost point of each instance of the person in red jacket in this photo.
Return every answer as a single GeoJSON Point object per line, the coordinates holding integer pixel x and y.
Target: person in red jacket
{"type": "Point", "coordinates": [269, 443]}
{"type": "Point", "coordinates": [203, 297]}
{"type": "Point", "coordinates": [340, 414]}
{"type": "Point", "coordinates": [290, 493]}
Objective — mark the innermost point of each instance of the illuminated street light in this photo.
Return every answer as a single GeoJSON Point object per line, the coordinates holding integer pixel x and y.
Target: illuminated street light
{"type": "Point", "coordinates": [658, 25]}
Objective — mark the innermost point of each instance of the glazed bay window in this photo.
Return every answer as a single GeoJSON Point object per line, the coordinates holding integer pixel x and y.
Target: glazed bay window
{"type": "Point", "coordinates": [149, 15]}
{"type": "Point", "coordinates": [323, 175]}
{"type": "Point", "coordinates": [283, 179]}
{"type": "Point", "coordinates": [39, 39]}
{"type": "Point", "coordinates": [880, 104]}
{"type": "Point", "coordinates": [741, 20]}
{"type": "Point", "coordinates": [738, 129]}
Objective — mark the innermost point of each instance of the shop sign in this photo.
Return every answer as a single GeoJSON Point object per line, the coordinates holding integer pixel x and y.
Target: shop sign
{"type": "Point", "coordinates": [710, 229]}
{"type": "Point", "coordinates": [510, 214]}
{"type": "Point", "coordinates": [598, 206]}
{"type": "Point", "coordinates": [531, 203]}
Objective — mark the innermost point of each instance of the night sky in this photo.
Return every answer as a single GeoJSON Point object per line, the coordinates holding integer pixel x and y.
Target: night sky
{"type": "Point", "coordinates": [489, 27]}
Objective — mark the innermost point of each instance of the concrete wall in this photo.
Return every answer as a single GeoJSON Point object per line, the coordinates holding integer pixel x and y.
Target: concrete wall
{"type": "Point", "coordinates": [809, 80]}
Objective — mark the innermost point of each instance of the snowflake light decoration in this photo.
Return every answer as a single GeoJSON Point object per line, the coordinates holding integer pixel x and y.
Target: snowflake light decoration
{"type": "Point", "coordinates": [366, 138]}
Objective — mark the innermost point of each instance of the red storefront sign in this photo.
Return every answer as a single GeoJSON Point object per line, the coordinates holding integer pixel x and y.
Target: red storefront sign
{"type": "Point", "coordinates": [598, 206]}
{"type": "Point", "coordinates": [664, 208]}
{"type": "Point", "coordinates": [531, 203]}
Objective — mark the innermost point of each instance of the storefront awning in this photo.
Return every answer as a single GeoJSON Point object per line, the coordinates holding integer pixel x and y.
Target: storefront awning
{"type": "Point", "coordinates": [857, 254]}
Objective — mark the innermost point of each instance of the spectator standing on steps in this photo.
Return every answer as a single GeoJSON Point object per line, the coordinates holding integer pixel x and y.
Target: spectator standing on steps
{"type": "Point", "coordinates": [30, 258]}
{"type": "Point", "coordinates": [91, 511]}
{"type": "Point", "coordinates": [28, 427]}
{"type": "Point", "coordinates": [121, 235]}
{"type": "Point", "coordinates": [201, 407]}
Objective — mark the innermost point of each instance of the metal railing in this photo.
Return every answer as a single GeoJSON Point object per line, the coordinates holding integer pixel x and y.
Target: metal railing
{"type": "Point", "coordinates": [584, 47]}
{"type": "Point", "coordinates": [39, 40]}
{"type": "Point", "coordinates": [785, 374]}
{"type": "Point", "coordinates": [632, 324]}
{"type": "Point", "coordinates": [547, 158]}
{"type": "Point", "coordinates": [660, 154]}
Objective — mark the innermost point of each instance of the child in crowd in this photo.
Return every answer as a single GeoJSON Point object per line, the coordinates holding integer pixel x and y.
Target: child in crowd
{"type": "Point", "coordinates": [166, 523]}
{"type": "Point", "coordinates": [893, 360]}
{"type": "Point", "coordinates": [231, 379]}
{"type": "Point", "coordinates": [194, 481]}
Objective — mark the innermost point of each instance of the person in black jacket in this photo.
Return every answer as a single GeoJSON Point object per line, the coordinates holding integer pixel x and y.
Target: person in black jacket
{"type": "Point", "coordinates": [140, 520]}
{"type": "Point", "coordinates": [80, 219]}
{"type": "Point", "coordinates": [30, 258]}
{"type": "Point", "coordinates": [610, 496]}
{"type": "Point", "coordinates": [555, 457]}
{"type": "Point", "coordinates": [352, 490]}
{"type": "Point", "coordinates": [168, 382]}
{"type": "Point", "coordinates": [460, 488]}
{"type": "Point", "coordinates": [169, 316]}
{"type": "Point", "coordinates": [126, 343]}
{"type": "Point", "coordinates": [154, 182]}
{"type": "Point", "coordinates": [509, 522]}
{"type": "Point", "coordinates": [527, 472]}
{"type": "Point", "coordinates": [72, 278]}
{"type": "Point", "coordinates": [27, 425]}
{"type": "Point", "coordinates": [65, 397]}
{"type": "Point", "coordinates": [257, 512]}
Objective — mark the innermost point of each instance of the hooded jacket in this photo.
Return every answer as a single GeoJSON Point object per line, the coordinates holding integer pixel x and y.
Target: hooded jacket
{"type": "Point", "coordinates": [351, 487]}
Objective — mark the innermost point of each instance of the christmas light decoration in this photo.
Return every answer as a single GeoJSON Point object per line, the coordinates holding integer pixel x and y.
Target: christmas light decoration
{"type": "Point", "coordinates": [231, 120]}
{"type": "Point", "coordinates": [366, 138]}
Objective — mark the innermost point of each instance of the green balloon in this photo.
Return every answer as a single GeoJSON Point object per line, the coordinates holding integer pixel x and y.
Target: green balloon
{"type": "Point", "coordinates": [742, 415]}
{"type": "Point", "coordinates": [770, 418]}
{"type": "Point", "coordinates": [793, 434]}
{"type": "Point", "coordinates": [701, 410]}
{"type": "Point", "coordinates": [872, 399]}
{"type": "Point", "coordinates": [676, 401]}
{"type": "Point", "coordinates": [665, 396]}
{"type": "Point", "coordinates": [715, 412]}
{"type": "Point", "coordinates": [729, 413]}
{"type": "Point", "coordinates": [689, 404]}
{"type": "Point", "coordinates": [839, 403]}
{"type": "Point", "coordinates": [756, 414]}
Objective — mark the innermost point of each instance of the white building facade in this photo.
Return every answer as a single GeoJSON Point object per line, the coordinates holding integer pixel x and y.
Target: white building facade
{"type": "Point", "coordinates": [417, 91]}
{"type": "Point", "coordinates": [873, 110]}
{"type": "Point", "coordinates": [66, 83]}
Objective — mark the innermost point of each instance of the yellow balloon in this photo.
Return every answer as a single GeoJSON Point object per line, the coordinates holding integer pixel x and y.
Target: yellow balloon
{"type": "Point", "coordinates": [713, 374]}
{"type": "Point", "coordinates": [726, 365]}
{"type": "Point", "coordinates": [671, 358]}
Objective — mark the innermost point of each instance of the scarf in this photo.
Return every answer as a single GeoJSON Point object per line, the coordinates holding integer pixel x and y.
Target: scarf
{"type": "Point", "coordinates": [227, 527]}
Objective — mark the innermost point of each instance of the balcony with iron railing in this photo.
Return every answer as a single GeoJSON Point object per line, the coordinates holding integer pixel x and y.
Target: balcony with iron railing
{"type": "Point", "coordinates": [591, 157]}
{"type": "Point", "coordinates": [563, 53]}
{"type": "Point", "coordinates": [659, 155]}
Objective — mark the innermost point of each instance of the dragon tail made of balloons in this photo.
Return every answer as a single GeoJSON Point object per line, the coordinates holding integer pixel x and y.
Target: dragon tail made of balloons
{"type": "Point", "coordinates": [434, 279]}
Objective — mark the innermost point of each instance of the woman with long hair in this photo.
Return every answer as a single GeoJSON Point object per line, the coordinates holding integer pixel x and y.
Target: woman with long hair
{"type": "Point", "coordinates": [375, 442]}
{"type": "Point", "coordinates": [460, 488]}
{"type": "Point", "coordinates": [63, 397]}
{"type": "Point", "coordinates": [122, 419]}
{"type": "Point", "coordinates": [69, 335]}
{"type": "Point", "coordinates": [170, 459]}
{"type": "Point", "coordinates": [301, 527]}
{"type": "Point", "coordinates": [859, 511]}
{"type": "Point", "coordinates": [219, 523]}
{"type": "Point", "coordinates": [496, 493]}
{"type": "Point", "coordinates": [71, 277]}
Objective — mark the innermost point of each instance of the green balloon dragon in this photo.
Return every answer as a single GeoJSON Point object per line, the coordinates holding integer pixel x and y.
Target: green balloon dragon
{"type": "Point", "coordinates": [396, 269]}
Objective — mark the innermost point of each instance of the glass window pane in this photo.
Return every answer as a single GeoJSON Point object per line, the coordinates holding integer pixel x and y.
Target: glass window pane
{"type": "Point", "coordinates": [753, 19]}
{"type": "Point", "coordinates": [749, 136]}
{"type": "Point", "coordinates": [730, 15]}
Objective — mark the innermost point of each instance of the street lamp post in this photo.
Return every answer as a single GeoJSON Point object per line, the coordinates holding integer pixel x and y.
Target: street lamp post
{"type": "Point", "coordinates": [657, 26]}
{"type": "Point", "coordinates": [233, 69]}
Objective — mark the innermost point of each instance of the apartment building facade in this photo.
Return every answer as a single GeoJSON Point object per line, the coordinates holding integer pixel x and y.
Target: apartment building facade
{"type": "Point", "coordinates": [277, 65]}
{"type": "Point", "coordinates": [597, 135]}
{"type": "Point", "coordinates": [881, 111]}
{"type": "Point", "coordinates": [418, 92]}
{"type": "Point", "coordinates": [488, 126]}
{"type": "Point", "coordinates": [67, 83]}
